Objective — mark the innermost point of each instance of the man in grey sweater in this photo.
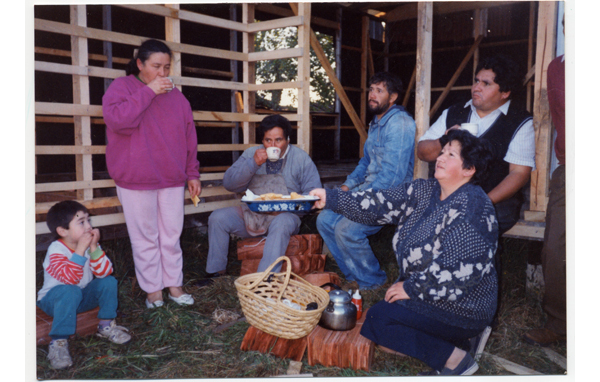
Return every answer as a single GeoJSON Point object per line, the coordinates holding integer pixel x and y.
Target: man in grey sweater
{"type": "Point", "coordinates": [294, 171]}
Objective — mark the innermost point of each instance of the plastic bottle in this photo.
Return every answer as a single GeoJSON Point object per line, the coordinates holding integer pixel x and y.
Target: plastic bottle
{"type": "Point", "coordinates": [357, 301]}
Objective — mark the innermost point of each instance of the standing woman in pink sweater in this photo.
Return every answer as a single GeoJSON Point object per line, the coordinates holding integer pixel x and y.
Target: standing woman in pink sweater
{"type": "Point", "coordinates": [151, 154]}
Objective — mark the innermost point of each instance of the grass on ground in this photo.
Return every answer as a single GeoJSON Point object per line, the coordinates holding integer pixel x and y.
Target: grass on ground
{"type": "Point", "coordinates": [179, 342]}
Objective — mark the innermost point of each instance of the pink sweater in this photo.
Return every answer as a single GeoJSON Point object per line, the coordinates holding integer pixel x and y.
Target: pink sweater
{"type": "Point", "coordinates": [152, 141]}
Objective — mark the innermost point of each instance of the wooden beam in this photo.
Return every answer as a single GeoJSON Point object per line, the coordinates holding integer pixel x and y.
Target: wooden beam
{"type": "Point", "coordinates": [81, 96]}
{"type": "Point", "coordinates": [364, 51]}
{"type": "Point", "coordinates": [123, 38]}
{"type": "Point", "coordinates": [249, 74]}
{"type": "Point", "coordinates": [318, 49]}
{"type": "Point", "coordinates": [118, 218]}
{"type": "Point", "coordinates": [173, 34]}
{"type": "Point", "coordinates": [545, 52]}
{"type": "Point", "coordinates": [197, 18]}
{"type": "Point", "coordinates": [411, 84]}
{"type": "Point", "coordinates": [457, 73]}
{"type": "Point", "coordinates": [294, 21]}
{"type": "Point", "coordinates": [279, 11]}
{"type": "Point", "coordinates": [410, 11]}
{"type": "Point", "coordinates": [423, 79]}
{"type": "Point", "coordinates": [304, 130]}
{"type": "Point", "coordinates": [275, 54]}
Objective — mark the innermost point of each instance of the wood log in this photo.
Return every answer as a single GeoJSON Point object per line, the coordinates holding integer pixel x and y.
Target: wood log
{"type": "Point", "coordinates": [252, 248]}
{"type": "Point", "coordinates": [87, 324]}
{"type": "Point", "coordinates": [346, 349]}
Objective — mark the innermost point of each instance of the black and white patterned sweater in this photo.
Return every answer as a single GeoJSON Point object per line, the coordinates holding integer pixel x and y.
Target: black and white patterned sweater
{"type": "Point", "coordinates": [445, 249]}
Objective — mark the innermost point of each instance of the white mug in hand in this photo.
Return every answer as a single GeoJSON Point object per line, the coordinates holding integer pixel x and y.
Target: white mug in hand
{"type": "Point", "coordinates": [472, 128]}
{"type": "Point", "coordinates": [273, 153]}
{"type": "Point", "coordinates": [172, 84]}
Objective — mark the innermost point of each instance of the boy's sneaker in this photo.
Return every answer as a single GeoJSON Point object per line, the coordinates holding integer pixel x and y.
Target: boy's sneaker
{"type": "Point", "coordinates": [58, 354]}
{"type": "Point", "coordinates": [478, 343]}
{"type": "Point", "coordinates": [114, 333]}
{"type": "Point", "coordinates": [467, 366]}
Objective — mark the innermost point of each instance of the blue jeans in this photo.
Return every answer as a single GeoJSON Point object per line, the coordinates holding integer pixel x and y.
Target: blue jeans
{"type": "Point", "coordinates": [64, 302]}
{"type": "Point", "coordinates": [349, 244]}
{"type": "Point", "coordinates": [398, 328]}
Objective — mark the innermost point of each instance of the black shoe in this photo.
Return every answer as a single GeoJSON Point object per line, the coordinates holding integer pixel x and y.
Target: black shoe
{"type": "Point", "coordinates": [208, 279]}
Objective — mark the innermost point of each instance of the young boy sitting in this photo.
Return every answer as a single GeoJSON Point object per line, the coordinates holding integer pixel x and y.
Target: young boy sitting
{"type": "Point", "coordinates": [70, 287]}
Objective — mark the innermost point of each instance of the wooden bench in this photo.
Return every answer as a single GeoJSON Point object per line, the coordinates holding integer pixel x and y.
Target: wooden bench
{"type": "Point", "coordinates": [87, 324]}
{"type": "Point", "coordinates": [305, 253]}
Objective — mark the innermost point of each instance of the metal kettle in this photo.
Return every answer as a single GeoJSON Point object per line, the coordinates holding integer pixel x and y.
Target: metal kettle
{"type": "Point", "coordinates": [340, 313]}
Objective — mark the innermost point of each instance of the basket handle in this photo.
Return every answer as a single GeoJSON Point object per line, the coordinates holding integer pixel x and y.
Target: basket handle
{"type": "Point", "coordinates": [267, 273]}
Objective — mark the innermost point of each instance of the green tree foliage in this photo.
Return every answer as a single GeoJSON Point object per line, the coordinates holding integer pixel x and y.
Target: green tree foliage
{"type": "Point", "coordinates": [286, 70]}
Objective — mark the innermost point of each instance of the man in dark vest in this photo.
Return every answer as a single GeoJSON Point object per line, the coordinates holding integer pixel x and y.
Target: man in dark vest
{"type": "Point", "coordinates": [508, 129]}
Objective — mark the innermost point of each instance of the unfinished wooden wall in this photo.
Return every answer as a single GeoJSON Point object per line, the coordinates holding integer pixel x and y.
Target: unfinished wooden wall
{"type": "Point", "coordinates": [82, 114]}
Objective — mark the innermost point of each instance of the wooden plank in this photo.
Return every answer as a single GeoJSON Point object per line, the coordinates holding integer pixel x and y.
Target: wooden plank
{"type": "Point", "coordinates": [81, 95]}
{"type": "Point", "coordinates": [173, 33]}
{"type": "Point", "coordinates": [87, 324]}
{"type": "Point", "coordinates": [118, 218]}
{"type": "Point", "coordinates": [293, 21]}
{"type": "Point", "coordinates": [248, 75]}
{"type": "Point", "coordinates": [95, 184]}
{"type": "Point", "coordinates": [275, 10]}
{"type": "Point", "coordinates": [423, 88]}
{"type": "Point", "coordinates": [511, 366]}
{"type": "Point", "coordinates": [62, 28]}
{"type": "Point", "coordinates": [187, 16]}
{"type": "Point", "coordinates": [277, 85]}
{"type": "Point", "coordinates": [555, 357]}
{"type": "Point", "coordinates": [526, 230]}
{"type": "Point", "coordinates": [408, 90]}
{"type": "Point", "coordinates": [53, 108]}
{"type": "Point", "coordinates": [275, 54]}
{"type": "Point", "coordinates": [455, 76]}
{"type": "Point", "coordinates": [409, 11]}
{"type": "Point", "coordinates": [304, 130]}
{"type": "Point", "coordinates": [364, 41]}
{"type": "Point", "coordinates": [545, 51]}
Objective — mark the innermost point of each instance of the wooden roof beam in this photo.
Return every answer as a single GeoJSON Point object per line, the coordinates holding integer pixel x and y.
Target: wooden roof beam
{"type": "Point", "coordinates": [409, 11]}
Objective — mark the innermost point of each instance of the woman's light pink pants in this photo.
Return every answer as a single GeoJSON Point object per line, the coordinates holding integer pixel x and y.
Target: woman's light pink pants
{"type": "Point", "coordinates": [154, 221]}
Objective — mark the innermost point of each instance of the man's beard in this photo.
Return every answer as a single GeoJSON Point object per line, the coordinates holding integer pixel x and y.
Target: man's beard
{"type": "Point", "coordinates": [379, 109]}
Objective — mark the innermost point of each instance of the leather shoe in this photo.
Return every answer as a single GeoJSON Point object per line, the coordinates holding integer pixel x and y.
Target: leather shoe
{"type": "Point", "coordinates": [208, 279]}
{"type": "Point", "coordinates": [543, 337]}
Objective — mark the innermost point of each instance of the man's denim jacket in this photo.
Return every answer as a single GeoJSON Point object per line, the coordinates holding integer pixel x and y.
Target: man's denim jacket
{"type": "Point", "coordinates": [389, 153]}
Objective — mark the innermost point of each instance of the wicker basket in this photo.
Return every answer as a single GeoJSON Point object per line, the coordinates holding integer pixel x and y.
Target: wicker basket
{"type": "Point", "coordinates": [261, 296]}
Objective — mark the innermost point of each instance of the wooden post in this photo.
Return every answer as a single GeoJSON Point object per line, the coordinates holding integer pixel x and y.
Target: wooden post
{"type": "Point", "coordinates": [530, 44]}
{"type": "Point", "coordinates": [363, 78]}
{"type": "Point", "coordinates": [423, 80]}
{"type": "Point", "coordinates": [545, 52]}
{"type": "Point", "coordinates": [304, 133]}
{"type": "Point", "coordinates": [81, 95]}
{"type": "Point", "coordinates": [173, 34]}
{"type": "Point", "coordinates": [338, 73]}
{"type": "Point", "coordinates": [479, 29]}
{"type": "Point", "coordinates": [249, 76]}
{"type": "Point", "coordinates": [107, 45]}
{"type": "Point", "coordinates": [236, 98]}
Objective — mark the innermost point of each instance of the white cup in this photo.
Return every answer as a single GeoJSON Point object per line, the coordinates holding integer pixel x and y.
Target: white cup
{"type": "Point", "coordinates": [273, 153]}
{"type": "Point", "coordinates": [172, 84]}
{"type": "Point", "coordinates": [472, 128]}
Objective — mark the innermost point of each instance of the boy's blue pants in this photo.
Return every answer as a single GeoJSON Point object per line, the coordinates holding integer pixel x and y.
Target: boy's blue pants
{"type": "Point", "coordinates": [64, 302]}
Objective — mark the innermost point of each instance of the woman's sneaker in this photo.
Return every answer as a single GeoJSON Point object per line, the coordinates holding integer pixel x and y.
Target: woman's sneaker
{"type": "Point", "coordinates": [58, 354]}
{"type": "Point", "coordinates": [114, 333]}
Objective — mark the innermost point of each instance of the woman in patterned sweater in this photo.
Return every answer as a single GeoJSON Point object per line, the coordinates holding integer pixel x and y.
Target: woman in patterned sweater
{"type": "Point", "coordinates": [445, 241]}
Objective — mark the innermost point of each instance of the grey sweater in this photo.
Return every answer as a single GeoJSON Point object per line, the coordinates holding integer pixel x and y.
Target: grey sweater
{"type": "Point", "coordinates": [299, 171]}
{"type": "Point", "coordinates": [445, 249]}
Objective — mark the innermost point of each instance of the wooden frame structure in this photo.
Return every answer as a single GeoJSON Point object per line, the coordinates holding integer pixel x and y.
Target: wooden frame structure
{"type": "Point", "coordinates": [83, 115]}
